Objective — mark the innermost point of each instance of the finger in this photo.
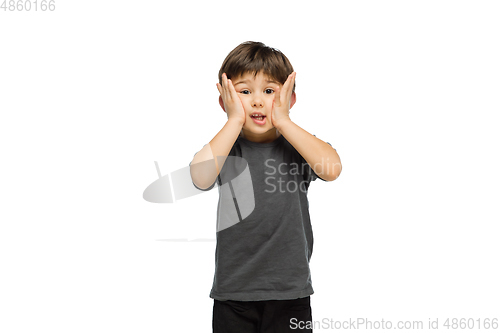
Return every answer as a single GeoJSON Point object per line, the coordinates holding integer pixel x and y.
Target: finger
{"type": "Point", "coordinates": [277, 100]}
{"type": "Point", "coordinates": [232, 90]}
{"type": "Point", "coordinates": [224, 84]}
{"type": "Point", "coordinates": [289, 85]}
{"type": "Point", "coordinates": [290, 89]}
{"type": "Point", "coordinates": [283, 91]}
{"type": "Point", "coordinates": [287, 82]}
{"type": "Point", "coordinates": [287, 88]}
{"type": "Point", "coordinates": [226, 96]}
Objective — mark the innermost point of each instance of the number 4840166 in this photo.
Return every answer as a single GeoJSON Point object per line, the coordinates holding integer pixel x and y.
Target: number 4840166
{"type": "Point", "coordinates": [28, 5]}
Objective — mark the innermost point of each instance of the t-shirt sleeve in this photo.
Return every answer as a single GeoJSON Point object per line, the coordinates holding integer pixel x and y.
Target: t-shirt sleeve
{"type": "Point", "coordinates": [211, 186]}
{"type": "Point", "coordinates": [312, 176]}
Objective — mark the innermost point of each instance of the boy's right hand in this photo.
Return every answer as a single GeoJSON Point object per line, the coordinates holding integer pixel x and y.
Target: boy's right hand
{"type": "Point", "coordinates": [232, 102]}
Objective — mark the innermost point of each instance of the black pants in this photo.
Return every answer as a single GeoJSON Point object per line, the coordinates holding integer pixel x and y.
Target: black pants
{"type": "Point", "coordinates": [275, 316]}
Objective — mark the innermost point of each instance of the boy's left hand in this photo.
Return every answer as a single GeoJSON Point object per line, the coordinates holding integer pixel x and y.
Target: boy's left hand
{"type": "Point", "coordinates": [281, 103]}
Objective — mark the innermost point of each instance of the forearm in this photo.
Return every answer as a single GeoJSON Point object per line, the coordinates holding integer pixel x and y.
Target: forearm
{"type": "Point", "coordinates": [322, 158]}
{"type": "Point", "coordinates": [213, 155]}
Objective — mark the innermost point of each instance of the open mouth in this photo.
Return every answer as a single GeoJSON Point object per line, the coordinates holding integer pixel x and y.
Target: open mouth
{"type": "Point", "coordinates": [259, 119]}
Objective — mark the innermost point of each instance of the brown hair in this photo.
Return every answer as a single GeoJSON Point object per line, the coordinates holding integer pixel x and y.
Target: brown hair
{"type": "Point", "coordinates": [253, 57]}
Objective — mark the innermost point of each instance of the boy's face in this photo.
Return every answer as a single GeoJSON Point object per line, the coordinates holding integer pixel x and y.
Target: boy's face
{"type": "Point", "coordinates": [257, 95]}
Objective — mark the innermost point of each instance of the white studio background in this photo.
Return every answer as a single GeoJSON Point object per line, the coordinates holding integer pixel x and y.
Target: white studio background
{"type": "Point", "coordinates": [93, 93]}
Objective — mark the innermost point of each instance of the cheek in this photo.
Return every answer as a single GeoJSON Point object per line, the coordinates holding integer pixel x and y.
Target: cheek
{"type": "Point", "coordinates": [270, 101]}
{"type": "Point", "coordinates": [244, 100]}
{"type": "Point", "coordinates": [246, 106]}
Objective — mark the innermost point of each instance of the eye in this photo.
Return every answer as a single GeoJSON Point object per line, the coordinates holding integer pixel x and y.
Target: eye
{"type": "Point", "coordinates": [270, 90]}
{"type": "Point", "coordinates": [243, 92]}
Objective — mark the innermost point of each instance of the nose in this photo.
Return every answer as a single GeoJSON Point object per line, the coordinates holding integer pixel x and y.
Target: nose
{"type": "Point", "coordinates": [257, 101]}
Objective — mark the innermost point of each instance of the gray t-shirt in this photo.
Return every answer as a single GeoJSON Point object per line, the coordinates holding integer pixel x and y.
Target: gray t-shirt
{"type": "Point", "coordinates": [264, 237]}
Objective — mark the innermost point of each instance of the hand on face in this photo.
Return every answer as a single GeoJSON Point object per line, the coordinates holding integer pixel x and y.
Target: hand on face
{"type": "Point", "coordinates": [281, 104]}
{"type": "Point", "coordinates": [232, 102]}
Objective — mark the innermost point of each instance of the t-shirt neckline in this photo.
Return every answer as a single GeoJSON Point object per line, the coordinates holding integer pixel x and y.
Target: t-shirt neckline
{"type": "Point", "coordinates": [260, 144]}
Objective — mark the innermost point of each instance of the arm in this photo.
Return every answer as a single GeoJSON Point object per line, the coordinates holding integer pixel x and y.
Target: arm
{"type": "Point", "coordinates": [214, 154]}
{"type": "Point", "coordinates": [322, 158]}
{"type": "Point", "coordinates": [204, 174]}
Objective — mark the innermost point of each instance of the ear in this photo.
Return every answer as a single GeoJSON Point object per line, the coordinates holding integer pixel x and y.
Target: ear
{"type": "Point", "coordinates": [293, 99]}
{"type": "Point", "coordinates": [221, 102]}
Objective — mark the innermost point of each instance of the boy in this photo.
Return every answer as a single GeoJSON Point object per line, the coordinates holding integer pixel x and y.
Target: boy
{"type": "Point", "coordinates": [262, 280]}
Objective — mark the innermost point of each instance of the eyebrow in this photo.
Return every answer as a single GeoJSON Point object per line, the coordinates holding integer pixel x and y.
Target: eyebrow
{"type": "Point", "coordinates": [245, 81]}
